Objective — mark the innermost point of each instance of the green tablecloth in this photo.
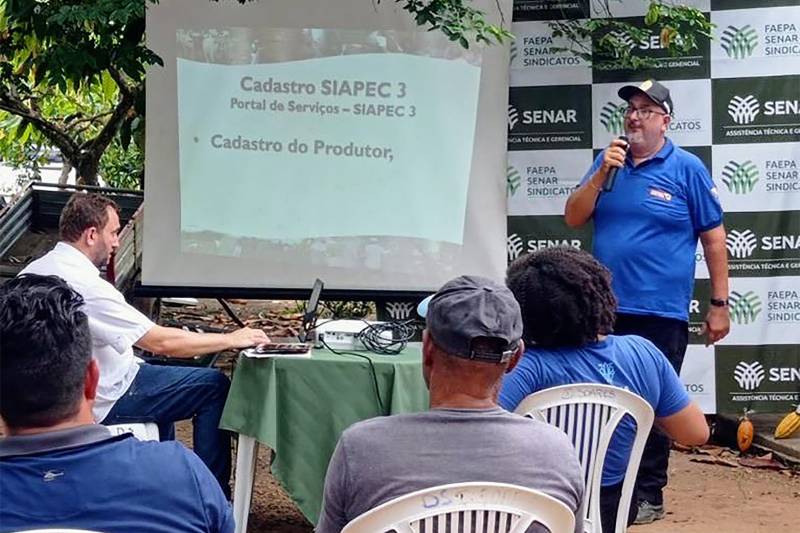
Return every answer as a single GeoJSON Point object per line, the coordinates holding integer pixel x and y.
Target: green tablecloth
{"type": "Point", "coordinates": [299, 408]}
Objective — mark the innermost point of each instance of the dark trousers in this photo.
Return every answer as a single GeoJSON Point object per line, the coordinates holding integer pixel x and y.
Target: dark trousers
{"type": "Point", "coordinates": [166, 394]}
{"type": "Point", "coordinates": [671, 337]}
{"type": "Point", "coordinates": [609, 503]}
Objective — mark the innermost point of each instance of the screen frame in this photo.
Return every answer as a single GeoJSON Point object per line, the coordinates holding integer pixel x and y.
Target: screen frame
{"type": "Point", "coordinates": [161, 265]}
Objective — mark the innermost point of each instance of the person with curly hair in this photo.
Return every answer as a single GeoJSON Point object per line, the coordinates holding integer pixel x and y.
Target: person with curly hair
{"type": "Point", "coordinates": [568, 311]}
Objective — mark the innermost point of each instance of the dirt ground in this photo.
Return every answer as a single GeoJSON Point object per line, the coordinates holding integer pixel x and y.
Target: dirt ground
{"type": "Point", "coordinates": [708, 492]}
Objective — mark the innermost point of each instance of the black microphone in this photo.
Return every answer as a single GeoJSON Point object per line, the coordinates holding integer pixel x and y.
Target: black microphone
{"type": "Point", "coordinates": [612, 174]}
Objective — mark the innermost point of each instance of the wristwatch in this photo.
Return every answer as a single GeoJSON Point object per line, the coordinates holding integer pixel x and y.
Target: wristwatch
{"type": "Point", "coordinates": [716, 302]}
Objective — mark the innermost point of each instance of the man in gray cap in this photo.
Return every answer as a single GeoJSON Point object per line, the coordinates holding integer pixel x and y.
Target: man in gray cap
{"type": "Point", "coordinates": [473, 337]}
{"type": "Point", "coordinates": [650, 201]}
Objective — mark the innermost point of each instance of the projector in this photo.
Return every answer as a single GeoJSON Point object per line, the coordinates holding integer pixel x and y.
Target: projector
{"type": "Point", "coordinates": [343, 334]}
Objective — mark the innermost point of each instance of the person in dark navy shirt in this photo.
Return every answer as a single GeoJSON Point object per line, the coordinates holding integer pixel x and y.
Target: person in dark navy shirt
{"type": "Point", "coordinates": [60, 469]}
{"type": "Point", "coordinates": [646, 229]}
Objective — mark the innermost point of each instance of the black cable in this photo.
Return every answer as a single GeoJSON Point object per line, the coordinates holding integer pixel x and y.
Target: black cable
{"type": "Point", "coordinates": [400, 332]}
{"type": "Point", "coordinates": [371, 368]}
{"type": "Point", "coordinates": [230, 312]}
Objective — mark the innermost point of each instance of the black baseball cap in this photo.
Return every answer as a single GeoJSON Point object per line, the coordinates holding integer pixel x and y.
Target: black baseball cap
{"type": "Point", "coordinates": [651, 89]}
{"type": "Point", "coordinates": [471, 307]}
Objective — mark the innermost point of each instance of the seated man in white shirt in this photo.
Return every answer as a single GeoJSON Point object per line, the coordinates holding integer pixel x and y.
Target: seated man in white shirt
{"type": "Point", "coordinates": [129, 391]}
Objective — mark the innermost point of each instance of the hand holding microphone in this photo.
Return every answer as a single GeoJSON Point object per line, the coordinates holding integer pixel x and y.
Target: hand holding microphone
{"type": "Point", "coordinates": [615, 158]}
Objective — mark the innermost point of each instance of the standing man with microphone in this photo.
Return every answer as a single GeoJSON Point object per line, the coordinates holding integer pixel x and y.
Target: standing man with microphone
{"type": "Point", "coordinates": [650, 201]}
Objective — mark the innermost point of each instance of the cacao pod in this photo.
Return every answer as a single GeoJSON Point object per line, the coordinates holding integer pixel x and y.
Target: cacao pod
{"type": "Point", "coordinates": [744, 435]}
{"type": "Point", "coordinates": [788, 425]}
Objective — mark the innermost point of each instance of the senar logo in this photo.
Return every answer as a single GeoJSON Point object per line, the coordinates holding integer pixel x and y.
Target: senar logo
{"type": "Point", "coordinates": [749, 375]}
{"type": "Point", "coordinates": [513, 117]}
{"type": "Point", "coordinates": [744, 110]}
{"type": "Point", "coordinates": [741, 244]}
{"type": "Point", "coordinates": [514, 246]}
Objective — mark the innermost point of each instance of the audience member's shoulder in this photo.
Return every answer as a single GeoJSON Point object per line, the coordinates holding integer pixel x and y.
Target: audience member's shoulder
{"type": "Point", "coordinates": [373, 427]}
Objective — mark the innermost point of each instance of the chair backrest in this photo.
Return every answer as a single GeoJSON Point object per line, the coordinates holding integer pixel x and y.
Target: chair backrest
{"type": "Point", "coordinates": [589, 413]}
{"type": "Point", "coordinates": [480, 507]}
{"type": "Point", "coordinates": [140, 430]}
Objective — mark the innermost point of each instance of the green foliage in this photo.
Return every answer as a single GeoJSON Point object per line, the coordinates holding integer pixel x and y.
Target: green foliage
{"type": "Point", "coordinates": [458, 20]}
{"type": "Point", "coordinates": [72, 76]}
{"type": "Point", "coordinates": [123, 168]}
{"type": "Point", "coordinates": [347, 309]}
{"type": "Point", "coordinates": [608, 43]}
{"type": "Point", "coordinates": [337, 309]}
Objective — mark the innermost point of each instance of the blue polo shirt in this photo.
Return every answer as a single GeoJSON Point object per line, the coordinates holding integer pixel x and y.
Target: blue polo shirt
{"type": "Point", "coordinates": [629, 362]}
{"type": "Point", "coordinates": [646, 230]}
{"type": "Point", "coordinates": [86, 478]}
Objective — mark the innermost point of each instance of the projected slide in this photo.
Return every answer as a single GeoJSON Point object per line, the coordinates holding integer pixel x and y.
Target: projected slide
{"type": "Point", "coordinates": [323, 143]}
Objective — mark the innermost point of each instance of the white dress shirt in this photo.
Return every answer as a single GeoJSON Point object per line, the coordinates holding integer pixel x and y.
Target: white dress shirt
{"type": "Point", "coordinates": [114, 324]}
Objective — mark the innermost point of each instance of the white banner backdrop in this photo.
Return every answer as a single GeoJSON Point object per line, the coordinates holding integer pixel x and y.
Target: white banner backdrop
{"type": "Point", "coordinates": [737, 107]}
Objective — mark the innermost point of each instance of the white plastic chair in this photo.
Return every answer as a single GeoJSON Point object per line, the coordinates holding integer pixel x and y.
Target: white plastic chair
{"type": "Point", "coordinates": [142, 431]}
{"type": "Point", "coordinates": [589, 413]}
{"type": "Point", "coordinates": [486, 507]}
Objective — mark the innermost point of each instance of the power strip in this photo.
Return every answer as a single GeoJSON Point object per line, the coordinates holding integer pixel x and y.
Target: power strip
{"type": "Point", "coordinates": [343, 334]}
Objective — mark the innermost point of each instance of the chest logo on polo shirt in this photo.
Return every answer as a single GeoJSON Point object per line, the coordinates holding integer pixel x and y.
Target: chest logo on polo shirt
{"type": "Point", "coordinates": [662, 195]}
{"type": "Point", "coordinates": [607, 371]}
{"type": "Point", "coordinates": [52, 475]}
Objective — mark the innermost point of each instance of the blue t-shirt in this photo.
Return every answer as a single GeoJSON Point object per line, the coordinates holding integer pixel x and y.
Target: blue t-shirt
{"type": "Point", "coordinates": [646, 230]}
{"type": "Point", "coordinates": [629, 362]}
{"type": "Point", "coordinates": [115, 484]}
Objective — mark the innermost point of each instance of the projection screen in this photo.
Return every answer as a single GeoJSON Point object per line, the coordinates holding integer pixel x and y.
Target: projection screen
{"type": "Point", "coordinates": [288, 141]}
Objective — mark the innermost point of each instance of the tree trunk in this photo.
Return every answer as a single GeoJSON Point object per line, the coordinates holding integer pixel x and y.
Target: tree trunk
{"type": "Point", "coordinates": [87, 167]}
{"type": "Point", "coordinates": [65, 170]}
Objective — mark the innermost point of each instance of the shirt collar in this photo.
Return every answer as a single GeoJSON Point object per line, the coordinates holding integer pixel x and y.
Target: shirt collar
{"type": "Point", "coordinates": [55, 440]}
{"type": "Point", "coordinates": [665, 151]}
{"type": "Point", "coordinates": [69, 251]}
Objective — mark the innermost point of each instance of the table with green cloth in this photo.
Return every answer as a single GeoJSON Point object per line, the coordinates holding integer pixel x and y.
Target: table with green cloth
{"type": "Point", "coordinates": [300, 406]}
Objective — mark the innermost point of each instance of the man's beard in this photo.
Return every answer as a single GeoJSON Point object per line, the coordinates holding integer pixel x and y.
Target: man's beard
{"type": "Point", "coordinates": [635, 137]}
{"type": "Point", "coordinates": [101, 259]}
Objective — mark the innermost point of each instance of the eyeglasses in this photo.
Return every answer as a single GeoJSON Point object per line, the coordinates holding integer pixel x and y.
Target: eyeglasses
{"type": "Point", "coordinates": [642, 113]}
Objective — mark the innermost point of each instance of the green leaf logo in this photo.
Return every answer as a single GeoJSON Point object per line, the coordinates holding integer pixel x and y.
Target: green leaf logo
{"type": "Point", "coordinates": [612, 117]}
{"type": "Point", "coordinates": [513, 180]}
{"type": "Point", "coordinates": [740, 178]}
{"type": "Point", "coordinates": [739, 43]}
{"type": "Point", "coordinates": [744, 308]}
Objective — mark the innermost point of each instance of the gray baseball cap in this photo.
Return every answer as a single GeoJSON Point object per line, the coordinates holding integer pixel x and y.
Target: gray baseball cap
{"type": "Point", "coordinates": [471, 307]}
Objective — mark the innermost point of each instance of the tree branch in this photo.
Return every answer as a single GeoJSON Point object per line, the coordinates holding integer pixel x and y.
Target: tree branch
{"type": "Point", "coordinates": [55, 134]}
{"type": "Point", "coordinates": [89, 120]}
{"type": "Point", "coordinates": [106, 135]}
{"type": "Point", "coordinates": [119, 79]}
